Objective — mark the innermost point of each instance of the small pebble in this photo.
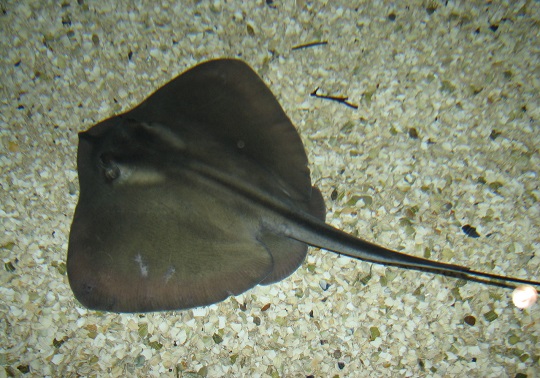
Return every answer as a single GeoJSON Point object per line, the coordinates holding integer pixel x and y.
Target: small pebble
{"type": "Point", "coordinates": [524, 296]}
{"type": "Point", "coordinates": [470, 320]}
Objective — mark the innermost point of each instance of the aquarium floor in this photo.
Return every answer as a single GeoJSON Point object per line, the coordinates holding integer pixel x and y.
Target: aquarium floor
{"type": "Point", "coordinates": [446, 134]}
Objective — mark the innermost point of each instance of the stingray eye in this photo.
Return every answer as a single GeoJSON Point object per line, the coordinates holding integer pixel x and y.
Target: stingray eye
{"type": "Point", "coordinates": [110, 169]}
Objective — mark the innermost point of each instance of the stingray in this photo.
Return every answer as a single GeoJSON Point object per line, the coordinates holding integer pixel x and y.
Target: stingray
{"type": "Point", "coordinates": [202, 192]}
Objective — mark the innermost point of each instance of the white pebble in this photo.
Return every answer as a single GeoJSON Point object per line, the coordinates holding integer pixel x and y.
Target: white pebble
{"type": "Point", "coordinates": [524, 296]}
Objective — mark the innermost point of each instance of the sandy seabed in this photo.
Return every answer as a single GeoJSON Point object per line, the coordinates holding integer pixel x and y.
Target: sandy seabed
{"type": "Point", "coordinates": [446, 134]}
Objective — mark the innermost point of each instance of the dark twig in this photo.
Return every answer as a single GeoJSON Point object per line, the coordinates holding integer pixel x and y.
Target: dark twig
{"type": "Point", "coordinates": [341, 99]}
{"type": "Point", "coordinates": [310, 44]}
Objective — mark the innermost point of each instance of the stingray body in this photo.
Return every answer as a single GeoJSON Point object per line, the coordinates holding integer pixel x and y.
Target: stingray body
{"type": "Point", "coordinates": [199, 193]}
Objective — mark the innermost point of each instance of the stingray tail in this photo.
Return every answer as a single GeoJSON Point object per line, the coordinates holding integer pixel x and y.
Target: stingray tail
{"type": "Point", "coordinates": [327, 237]}
{"type": "Point", "coordinates": [311, 229]}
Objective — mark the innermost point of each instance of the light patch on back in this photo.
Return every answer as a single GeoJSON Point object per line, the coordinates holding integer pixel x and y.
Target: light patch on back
{"type": "Point", "coordinates": [142, 266]}
{"type": "Point", "coordinates": [169, 273]}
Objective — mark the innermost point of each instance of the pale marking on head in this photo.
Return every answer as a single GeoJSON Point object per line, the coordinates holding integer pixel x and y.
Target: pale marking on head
{"type": "Point", "coordinates": [166, 134]}
{"type": "Point", "coordinates": [139, 176]}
